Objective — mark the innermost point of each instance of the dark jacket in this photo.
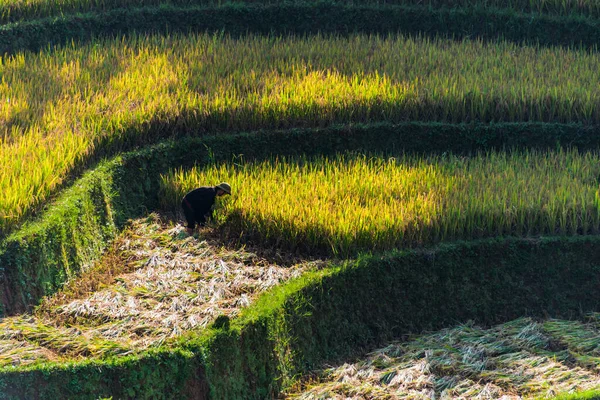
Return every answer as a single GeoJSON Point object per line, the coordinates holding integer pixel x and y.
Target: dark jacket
{"type": "Point", "coordinates": [201, 201]}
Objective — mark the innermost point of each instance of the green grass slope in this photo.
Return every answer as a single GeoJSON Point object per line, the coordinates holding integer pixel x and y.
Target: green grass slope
{"type": "Point", "coordinates": [12, 11]}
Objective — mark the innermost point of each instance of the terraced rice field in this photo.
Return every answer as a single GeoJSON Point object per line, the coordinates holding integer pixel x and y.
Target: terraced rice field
{"type": "Point", "coordinates": [355, 202]}
{"type": "Point", "coordinates": [63, 107]}
{"type": "Point", "coordinates": [524, 358]}
{"type": "Point", "coordinates": [153, 285]}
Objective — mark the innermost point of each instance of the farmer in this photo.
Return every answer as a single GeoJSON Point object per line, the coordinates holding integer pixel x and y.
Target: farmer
{"type": "Point", "coordinates": [197, 204]}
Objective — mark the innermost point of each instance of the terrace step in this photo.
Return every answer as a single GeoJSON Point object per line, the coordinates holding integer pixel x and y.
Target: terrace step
{"type": "Point", "coordinates": [521, 358]}
{"type": "Point", "coordinates": [154, 284]}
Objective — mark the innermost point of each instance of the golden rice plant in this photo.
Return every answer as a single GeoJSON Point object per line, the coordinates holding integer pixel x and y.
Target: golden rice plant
{"type": "Point", "coordinates": [356, 202]}
{"type": "Point", "coordinates": [60, 107]}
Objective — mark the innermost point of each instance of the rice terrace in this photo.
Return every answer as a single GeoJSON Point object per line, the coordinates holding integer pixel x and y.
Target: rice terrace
{"type": "Point", "coordinates": [399, 199]}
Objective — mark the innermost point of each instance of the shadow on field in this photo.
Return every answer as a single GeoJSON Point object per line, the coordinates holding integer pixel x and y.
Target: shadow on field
{"type": "Point", "coordinates": [361, 202]}
{"type": "Point", "coordinates": [470, 112]}
{"type": "Point", "coordinates": [285, 237]}
{"type": "Point", "coordinates": [220, 236]}
{"type": "Point", "coordinates": [304, 19]}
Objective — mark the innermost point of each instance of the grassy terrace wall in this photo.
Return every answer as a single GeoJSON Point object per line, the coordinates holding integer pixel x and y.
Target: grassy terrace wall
{"type": "Point", "coordinates": [151, 376]}
{"type": "Point", "coordinates": [304, 18]}
{"type": "Point", "coordinates": [376, 298]}
{"type": "Point", "coordinates": [333, 314]}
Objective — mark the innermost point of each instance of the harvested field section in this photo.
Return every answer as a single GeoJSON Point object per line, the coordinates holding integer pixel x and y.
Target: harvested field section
{"type": "Point", "coordinates": [510, 361]}
{"type": "Point", "coordinates": [14, 352]}
{"type": "Point", "coordinates": [354, 202]}
{"type": "Point", "coordinates": [582, 340]}
{"type": "Point", "coordinates": [170, 283]}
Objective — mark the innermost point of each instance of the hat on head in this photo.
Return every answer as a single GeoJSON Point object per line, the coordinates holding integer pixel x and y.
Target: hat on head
{"type": "Point", "coordinates": [224, 186]}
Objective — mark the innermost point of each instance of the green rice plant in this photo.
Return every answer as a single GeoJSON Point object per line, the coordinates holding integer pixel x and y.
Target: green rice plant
{"type": "Point", "coordinates": [16, 10]}
{"type": "Point", "coordinates": [62, 107]}
{"type": "Point", "coordinates": [13, 352]}
{"type": "Point", "coordinates": [356, 202]}
{"type": "Point", "coordinates": [62, 341]}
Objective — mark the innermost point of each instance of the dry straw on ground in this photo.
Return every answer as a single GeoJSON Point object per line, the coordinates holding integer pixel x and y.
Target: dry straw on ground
{"type": "Point", "coordinates": [171, 283]}
{"type": "Point", "coordinates": [522, 358]}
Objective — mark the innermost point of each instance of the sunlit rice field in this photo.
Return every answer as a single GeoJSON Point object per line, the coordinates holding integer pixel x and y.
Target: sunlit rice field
{"type": "Point", "coordinates": [357, 202]}
{"type": "Point", "coordinates": [60, 106]}
{"type": "Point", "coordinates": [520, 359]}
{"type": "Point", "coordinates": [15, 10]}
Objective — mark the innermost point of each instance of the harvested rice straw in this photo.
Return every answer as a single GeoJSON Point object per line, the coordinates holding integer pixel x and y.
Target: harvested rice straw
{"type": "Point", "coordinates": [178, 283]}
{"type": "Point", "coordinates": [508, 361]}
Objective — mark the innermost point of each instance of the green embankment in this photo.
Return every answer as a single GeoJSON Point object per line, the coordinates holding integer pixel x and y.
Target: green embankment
{"type": "Point", "coordinates": [304, 18]}
{"type": "Point", "coordinates": [523, 358]}
{"type": "Point", "coordinates": [585, 395]}
{"type": "Point", "coordinates": [42, 255]}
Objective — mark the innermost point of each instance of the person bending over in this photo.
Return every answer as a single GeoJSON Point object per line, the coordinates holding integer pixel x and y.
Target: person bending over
{"type": "Point", "coordinates": [197, 204]}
